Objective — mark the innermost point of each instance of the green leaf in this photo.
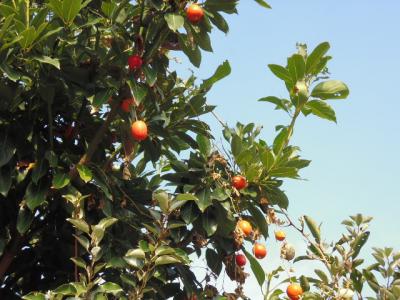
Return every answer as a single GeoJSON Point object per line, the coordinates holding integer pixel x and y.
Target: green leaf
{"type": "Point", "coordinates": [174, 21]}
{"type": "Point", "coordinates": [204, 145]}
{"type": "Point", "coordinates": [322, 109]}
{"type": "Point", "coordinates": [107, 222]}
{"type": "Point", "coordinates": [5, 180]}
{"type": "Point", "coordinates": [79, 262]}
{"type": "Point", "coordinates": [189, 213]}
{"type": "Point", "coordinates": [137, 253]}
{"type": "Point", "coordinates": [256, 268]}
{"type": "Point", "coordinates": [331, 89]}
{"type": "Point", "coordinates": [66, 290]}
{"type": "Point", "coordinates": [315, 57]}
{"type": "Point", "coordinates": [151, 75]}
{"type": "Point", "coordinates": [209, 222]}
{"type": "Point", "coordinates": [314, 229]}
{"type": "Point", "coordinates": [34, 296]}
{"type": "Point", "coordinates": [267, 158]}
{"type": "Point", "coordinates": [219, 22]}
{"type": "Point", "coordinates": [40, 169]}
{"type": "Point", "coordinates": [80, 224]}
{"type": "Point", "coordinates": [281, 73]}
{"type": "Point", "coordinates": [5, 26]}
{"type": "Point", "coordinates": [84, 173]}
{"type": "Point", "coordinates": [186, 197]}
{"type": "Point", "coordinates": [204, 199]}
{"type": "Point", "coordinates": [296, 66]}
{"type": "Point", "coordinates": [280, 140]}
{"type": "Point", "coordinates": [48, 60]}
{"type": "Point", "coordinates": [111, 288]}
{"type": "Point", "coordinates": [7, 149]}
{"type": "Point", "coordinates": [24, 220]}
{"type": "Point", "coordinates": [222, 71]}
{"type": "Point", "coordinates": [166, 259]}
{"type": "Point", "coordinates": [191, 51]}
{"type": "Point", "coordinates": [60, 180]}
{"type": "Point", "coordinates": [280, 103]}
{"type": "Point", "coordinates": [101, 97]}
{"type": "Point", "coordinates": [288, 172]}
{"type": "Point", "coordinates": [236, 145]}
{"type": "Point", "coordinates": [358, 243]}
{"type": "Point", "coordinates": [214, 261]}
{"type": "Point", "coordinates": [263, 4]}
{"type": "Point", "coordinates": [163, 200]}
{"type": "Point", "coordinates": [70, 9]}
{"type": "Point", "coordinates": [35, 195]}
{"type": "Point", "coordinates": [260, 220]}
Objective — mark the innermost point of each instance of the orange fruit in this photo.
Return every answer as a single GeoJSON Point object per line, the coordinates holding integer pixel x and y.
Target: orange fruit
{"type": "Point", "coordinates": [194, 13]}
{"type": "Point", "coordinates": [139, 130]}
{"type": "Point", "coordinates": [245, 227]}
{"type": "Point", "coordinates": [280, 235]}
{"type": "Point", "coordinates": [259, 250]}
{"type": "Point", "coordinates": [294, 291]}
{"type": "Point", "coordinates": [239, 182]}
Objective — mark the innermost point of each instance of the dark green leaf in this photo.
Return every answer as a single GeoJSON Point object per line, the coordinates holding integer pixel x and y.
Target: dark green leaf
{"type": "Point", "coordinates": [24, 220]}
{"type": "Point", "coordinates": [256, 268]}
{"type": "Point", "coordinates": [315, 57]}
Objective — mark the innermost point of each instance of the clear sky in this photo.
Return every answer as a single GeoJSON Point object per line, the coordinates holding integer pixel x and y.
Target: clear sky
{"type": "Point", "coordinates": [355, 168]}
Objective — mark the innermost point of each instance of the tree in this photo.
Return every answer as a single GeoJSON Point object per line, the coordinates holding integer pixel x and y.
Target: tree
{"type": "Point", "coordinates": [110, 183]}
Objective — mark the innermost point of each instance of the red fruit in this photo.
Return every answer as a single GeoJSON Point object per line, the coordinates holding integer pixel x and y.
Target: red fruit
{"type": "Point", "coordinates": [240, 260]}
{"type": "Point", "coordinates": [280, 235]}
{"type": "Point", "coordinates": [259, 250]}
{"type": "Point", "coordinates": [245, 227]}
{"type": "Point", "coordinates": [239, 182]}
{"type": "Point", "coordinates": [194, 13]}
{"type": "Point", "coordinates": [139, 130]}
{"type": "Point", "coordinates": [69, 132]}
{"type": "Point", "coordinates": [127, 103]}
{"type": "Point", "coordinates": [294, 291]}
{"type": "Point", "coordinates": [135, 62]}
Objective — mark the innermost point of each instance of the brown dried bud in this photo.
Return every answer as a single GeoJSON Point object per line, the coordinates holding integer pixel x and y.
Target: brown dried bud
{"type": "Point", "coordinates": [287, 251]}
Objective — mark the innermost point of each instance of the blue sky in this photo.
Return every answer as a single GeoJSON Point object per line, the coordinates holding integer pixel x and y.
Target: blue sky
{"type": "Point", "coordinates": [355, 168]}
